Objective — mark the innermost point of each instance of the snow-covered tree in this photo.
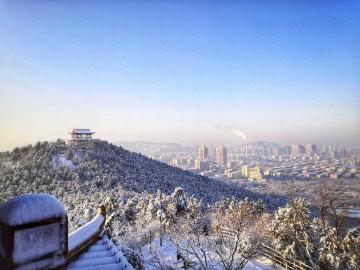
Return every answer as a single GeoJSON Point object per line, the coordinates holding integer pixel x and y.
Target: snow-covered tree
{"type": "Point", "coordinates": [339, 253]}
{"type": "Point", "coordinates": [292, 232]}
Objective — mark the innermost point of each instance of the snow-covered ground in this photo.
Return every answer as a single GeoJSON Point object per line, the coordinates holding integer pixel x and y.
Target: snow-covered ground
{"type": "Point", "coordinates": [60, 160]}
{"type": "Point", "coordinates": [352, 213]}
{"type": "Point", "coordinates": [158, 257]}
{"type": "Point", "coordinates": [262, 263]}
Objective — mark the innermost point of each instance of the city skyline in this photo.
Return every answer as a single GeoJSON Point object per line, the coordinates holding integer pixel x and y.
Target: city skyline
{"type": "Point", "coordinates": [284, 72]}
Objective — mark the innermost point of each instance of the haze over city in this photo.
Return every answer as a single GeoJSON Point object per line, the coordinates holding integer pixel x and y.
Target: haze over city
{"type": "Point", "coordinates": [285, 72]}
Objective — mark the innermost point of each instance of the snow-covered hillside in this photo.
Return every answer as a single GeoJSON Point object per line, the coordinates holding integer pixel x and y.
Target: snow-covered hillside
{"type": "Point", "coordinates": [105, 167]}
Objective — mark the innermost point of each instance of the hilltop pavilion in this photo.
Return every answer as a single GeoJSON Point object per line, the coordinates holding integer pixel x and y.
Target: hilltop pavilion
{"type": "Point", "coordinates": [81, 136]}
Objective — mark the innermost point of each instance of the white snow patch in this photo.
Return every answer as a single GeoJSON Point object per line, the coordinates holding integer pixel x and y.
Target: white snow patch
{"type": "Point", "coordinates": [158, 256]}
{"type": "Point", "coordinates": [59, 160]}
{"type": "Point", "coordinates": [262, 263]}
{"type": "Point", "coordinates": [30, 208]}
{"type": "Point", "coordinates": [85, 232]}
{"type": "Point", "coordinates": [351, 213]}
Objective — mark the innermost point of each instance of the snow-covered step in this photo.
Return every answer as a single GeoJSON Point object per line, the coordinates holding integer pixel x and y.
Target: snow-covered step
{"type": "Point", "coordinates": [94, 261]}
{"type": "Point", "coordinates": [95, 254]}
{"type": "Point", "coordinates": [114, 266]}
{"type": "Point", "coordinates": [101, 241]}
{"type": "Point", "coordinates": [98, 248]}
{"type": "Point", "coordinates": [102, 255]}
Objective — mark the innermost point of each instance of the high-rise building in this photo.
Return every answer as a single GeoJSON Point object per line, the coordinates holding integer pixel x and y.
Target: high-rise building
{"type": "Point", "coordinates": [310, 150]}
{"type": "Point", "coordinates": [231, 164]}
{"type": "Point", "coordinates": [302, 149]}
{"type": "Point", "coordinates": [255, 173]}
{"type": "Point", "coordinates": [297, 149]}
{"type": "Point", "coordinates": [294, 149]}
{"type": "Point", "coordinates": [245, 170]}
{"type": "Point", "coordinates": [203, 152]}
{"type": "Point", "coordinates": [202, 165]}
{"type": "Point", "coordinates": [221, 155]}
{"type": "Point", "coordinates": [191, 162]}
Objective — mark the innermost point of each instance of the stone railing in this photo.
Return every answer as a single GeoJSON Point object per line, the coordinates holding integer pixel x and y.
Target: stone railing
{"type": "Point", "coordinates": [34, 233]}
{"type": "Point", "coordinates": [86, 235]}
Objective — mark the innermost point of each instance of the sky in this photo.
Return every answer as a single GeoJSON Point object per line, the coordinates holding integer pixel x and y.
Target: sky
{"type": "Point", "coordinates": [175, 71]}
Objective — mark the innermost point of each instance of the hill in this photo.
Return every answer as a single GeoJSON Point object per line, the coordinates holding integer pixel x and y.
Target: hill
{"type": "Point", "coordinates": [81, 177]}
{"type": "Point", "coordinates": [263, 144]}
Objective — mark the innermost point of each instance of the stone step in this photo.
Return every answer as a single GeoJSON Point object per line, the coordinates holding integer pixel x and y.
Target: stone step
{"type": "Point", "coordinates": [114, 266]}
{"type": "Point", "coordinates": [93, 262]}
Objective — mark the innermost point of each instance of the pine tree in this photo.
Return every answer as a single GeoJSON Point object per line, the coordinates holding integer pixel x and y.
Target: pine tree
{"type": "Point", "coordinates": [292, 232]}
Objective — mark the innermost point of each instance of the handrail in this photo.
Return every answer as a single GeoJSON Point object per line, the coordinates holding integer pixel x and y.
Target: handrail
{"type": "Point", "coordinates": [86, 235]}
{"type": "Point", "coordinates": [271, 253]}
{"type": "Point", "coordinates": [290, 264]}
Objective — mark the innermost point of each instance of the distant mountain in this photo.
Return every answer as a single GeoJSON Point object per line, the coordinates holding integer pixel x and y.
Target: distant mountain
{"type": "Point", "coordinates": [263, 144]}
{"type": "Point", "coordinates": [149, 147]}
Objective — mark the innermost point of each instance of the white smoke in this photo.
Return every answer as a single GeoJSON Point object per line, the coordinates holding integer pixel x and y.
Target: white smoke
{"type": "Point", "coordinates": [238, 133]}
{"type": "Point", "coordinates": [233, 130]}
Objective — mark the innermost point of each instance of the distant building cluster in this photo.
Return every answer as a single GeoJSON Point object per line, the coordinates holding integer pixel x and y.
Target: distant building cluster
{"type": "Point", "coordinates": [267, 161]}
{"type": "Point", "coordinates": [299, 149]}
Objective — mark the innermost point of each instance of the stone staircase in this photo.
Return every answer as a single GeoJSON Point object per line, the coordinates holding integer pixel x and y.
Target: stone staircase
{"type": "Point", "coordinates": [102, 255]}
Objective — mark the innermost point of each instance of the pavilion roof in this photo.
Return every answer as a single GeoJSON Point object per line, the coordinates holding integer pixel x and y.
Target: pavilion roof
{"type": "Point", "coordinates": [82, 131]}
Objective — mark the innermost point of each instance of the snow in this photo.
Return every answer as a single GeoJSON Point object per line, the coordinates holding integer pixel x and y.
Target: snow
{"type": "Point", "coordinates": [101, 255]}
{"type": "Point", "coordinates": [167, 256]}
{"type": "Point", "coordinates": [36, 242]}
{"type": "Point", "coordinates": [262, 263]}
{"type": "Point", "coordinates": [351, 213]}
{"type": "Point", "coordinates": [82, 130]}
{"type": "Point", "coordinates": [30, 208]}
{"type": "Point", "coordinates": [85, 232]}
{"type": "Point", "coordinates": [166, 253]}
{"type": "Point", "coordinates": [59, 160]}
{"type": "Point", "coordinates": [355, 213]}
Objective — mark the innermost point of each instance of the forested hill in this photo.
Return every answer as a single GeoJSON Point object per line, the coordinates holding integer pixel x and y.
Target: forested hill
{"type": "Point", "coordinates": [56, 168]}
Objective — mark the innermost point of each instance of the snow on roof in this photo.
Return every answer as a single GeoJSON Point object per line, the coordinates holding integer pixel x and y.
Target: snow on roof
{"type": "Point", "coordinates": [29, 208]}
{"type": "Point", "coordinates": [82, 130]}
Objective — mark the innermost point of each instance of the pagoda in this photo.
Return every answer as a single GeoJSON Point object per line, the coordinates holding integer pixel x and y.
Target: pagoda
{"type": "Point", "coordinates": [81, 137]}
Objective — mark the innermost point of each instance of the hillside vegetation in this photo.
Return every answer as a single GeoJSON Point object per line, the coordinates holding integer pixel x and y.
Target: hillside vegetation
{"type": "Point", "coordinates": [56, 168]}
{"type": "Point", "coordinates": [137, 190]}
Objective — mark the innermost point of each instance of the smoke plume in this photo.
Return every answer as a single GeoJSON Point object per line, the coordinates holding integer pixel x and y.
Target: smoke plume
{"type": "Point", "coordinates": [233, 130]}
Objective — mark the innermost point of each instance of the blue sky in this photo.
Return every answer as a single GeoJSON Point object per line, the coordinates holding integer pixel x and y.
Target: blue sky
{"type": "Point", "coordinates": [169, 71]}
